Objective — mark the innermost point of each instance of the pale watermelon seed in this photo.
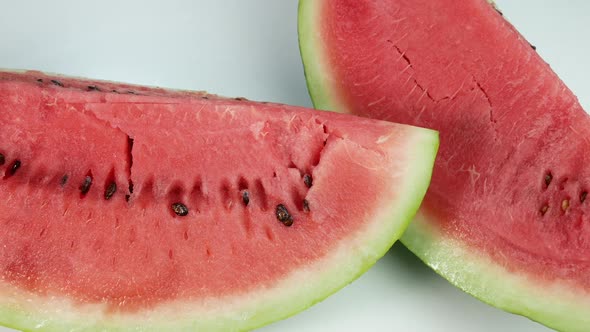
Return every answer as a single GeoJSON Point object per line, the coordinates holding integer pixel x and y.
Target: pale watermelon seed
{"type": "Point", "coordinates": [565, 204]}
{"type": "Point", "coordinates": [544, 209]}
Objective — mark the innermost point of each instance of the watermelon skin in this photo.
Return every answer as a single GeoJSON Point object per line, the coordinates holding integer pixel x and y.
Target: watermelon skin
{"type": "Point", "coordinates": [74, 265]}
{"type": "Point", "coordinates": [460, 68]}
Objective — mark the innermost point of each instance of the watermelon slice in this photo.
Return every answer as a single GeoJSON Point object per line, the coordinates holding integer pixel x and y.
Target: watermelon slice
{"type": "Point", "coordinates": [507, 217]}
{"type": "Point", "coordinates": [128, 207]}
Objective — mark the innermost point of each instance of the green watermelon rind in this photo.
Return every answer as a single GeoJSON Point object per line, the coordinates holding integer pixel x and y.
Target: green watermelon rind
{"type": "Point", "coordinates": [299, 291]}
{"type": "Point", "coordinates": [555, 305]}
{"type": "Point", "coordinates": [327, 276]}
{"type": "Point", "coordinates": [319, 84]}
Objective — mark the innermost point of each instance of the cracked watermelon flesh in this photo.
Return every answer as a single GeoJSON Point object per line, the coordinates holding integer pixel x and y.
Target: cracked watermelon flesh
{"type": "Point", "coordinates": [128, 207]}
{"type": "Point", "coordinates": [507, 215]}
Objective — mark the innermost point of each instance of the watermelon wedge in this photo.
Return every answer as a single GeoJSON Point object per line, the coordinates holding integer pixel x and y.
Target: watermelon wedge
{"type": "Point", "coordinates": [135, 208]}
{"type": "Point", "coordinates": [507, 217]}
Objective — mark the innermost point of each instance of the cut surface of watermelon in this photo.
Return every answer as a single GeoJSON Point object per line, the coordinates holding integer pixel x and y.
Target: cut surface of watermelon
{"type": "Point", "coordinates": [506, 216]}
{"type": "Point", "coordinates": [132, 207]}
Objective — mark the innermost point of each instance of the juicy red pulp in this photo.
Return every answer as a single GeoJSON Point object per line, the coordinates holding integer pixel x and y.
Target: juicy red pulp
{"type": "Point", "coordinates": [505, 120]}
{"type": "Point", "coordinates": [177, 227]}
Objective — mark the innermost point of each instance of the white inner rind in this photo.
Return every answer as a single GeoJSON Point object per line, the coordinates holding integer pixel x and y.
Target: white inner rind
{"type": "Point", "coordinates": [555, 304]}
{"type": "Point", "coordinates": [349, 258]}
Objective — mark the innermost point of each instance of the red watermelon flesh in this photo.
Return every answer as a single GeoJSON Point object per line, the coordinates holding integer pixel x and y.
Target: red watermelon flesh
{"type": "Point", "coordinates": [507, 216]}
{"type": "Point", "coordinates": [132, 207]}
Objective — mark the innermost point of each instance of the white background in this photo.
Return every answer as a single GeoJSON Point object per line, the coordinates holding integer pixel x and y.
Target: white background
{"type": "Point", "coordinates": [249, 48]}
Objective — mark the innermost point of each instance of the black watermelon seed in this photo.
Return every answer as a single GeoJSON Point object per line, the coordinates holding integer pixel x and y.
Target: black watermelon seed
{"type": "Point", "coordinates": [583, 196]}
{"type": "Point", "coordinates": [40, 80]}
{"type": "Point", "coordinates": [58, 83]}
{"type": "Point", "coordinates": [305, 205]}
{"type": "Point", "coordinates": [533, 47]}
{"type": "Point", "coordinates": [180, 209]}
{"type": "Point", "coordinates": [93, 88]}
{"type": "Point", "coordinates": [548, 178]}
{"type": "Point", "coordinates": [246, 197]}
{"type": "Point", "coordinates": [15, 166]}
{"type": "Point", "coordinates": [110, 191]}
{"type": "Point", "coordinates": [85, 187]}
{"type": "Point", "coordinates": [2, 159]}
{"type": "Point", "coordinates": [115, 91]}
{"type": "Point", "coordinates": [131, 92]}
{"type": "Point", "coordinates": [64, 180]}
{"type": "Point", "coordinates": [307, 180]}
{"type": "Point", "coordinates": [283, 215]}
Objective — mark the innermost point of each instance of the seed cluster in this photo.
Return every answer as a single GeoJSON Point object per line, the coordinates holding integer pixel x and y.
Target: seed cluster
{"type": "Point", "coordinates": [281, 212]}
{"type": "Point", "coordinates": [91, 87]}
{"type": "Point", "coordinates": [566, 202]}
{"type": "Point", "coordinates": [180, 209]}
